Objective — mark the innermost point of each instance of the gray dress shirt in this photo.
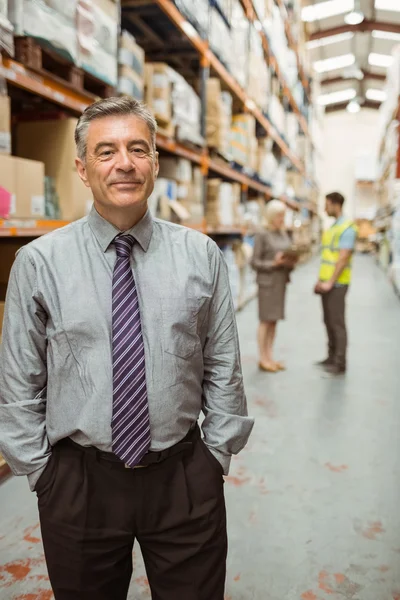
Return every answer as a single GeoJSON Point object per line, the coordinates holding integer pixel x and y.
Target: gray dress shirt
{"type": "Point", "coordinates": [56, 359]}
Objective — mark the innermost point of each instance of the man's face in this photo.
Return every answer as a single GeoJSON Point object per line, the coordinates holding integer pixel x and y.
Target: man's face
{"type": "Point", "coordinates": [121, 165]}
{"type": "Point", "coordinates": [330, 209]}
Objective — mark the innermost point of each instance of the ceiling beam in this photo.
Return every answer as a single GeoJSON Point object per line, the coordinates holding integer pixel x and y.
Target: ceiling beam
{"type": "Point", "coordinates": [340, 79]}
{"type": "Point", "coordinates": [343, 105]}
{"type": "Point", "coordinates": [363, 27]}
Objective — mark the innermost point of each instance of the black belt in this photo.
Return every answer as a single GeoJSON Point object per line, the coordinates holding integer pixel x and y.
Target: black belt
{"type": "Point", "coordinates": [151, 458]}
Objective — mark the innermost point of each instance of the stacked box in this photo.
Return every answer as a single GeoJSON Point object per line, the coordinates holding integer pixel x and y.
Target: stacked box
{"type": "Point", "coordinates": [243, 133]}
{"type": "Point", "coordinates": [223, 200]}
{"type": "Point", "coordinates": [277, 113]}
{"type": "Point", "coordinates": [165, 192]}
{"type": "Point", "coordinates": [130, 67]}
{"type": "Point", "coordinates": [267, 164]}
{"type": "Point", "coordinates": [52, 142]}
{"type": "Point", "coordinates": [220, 38]}
{"type": "Point", "coordinates": [259, 78]}
{"type": "Point", "coordinates": [186, 110]}
{"type": "Point", "coordinates": [5, 125]}
{"type": "Point", "coordinates": [188, 188]}
{"type": "Point", "coordinates": [218, 118]}
{"type": "Point", "coordinates": [6, 29]}
{"type": "Point", "coordinates": [240, 43]}
{"type": "Point", "coordinates": [97, 25]}
{"type": "Point", "coordinates": [21, 188]}
{"type": "Point", "coordinates": [158, 92]}
{"type": "Point", "coordinates": [197, 13]}
{"type": "Point", "coordinates": [51, 22]}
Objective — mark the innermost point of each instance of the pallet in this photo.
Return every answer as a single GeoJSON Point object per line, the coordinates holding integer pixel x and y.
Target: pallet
{"type": "Point", "coordinates": [49, 62]}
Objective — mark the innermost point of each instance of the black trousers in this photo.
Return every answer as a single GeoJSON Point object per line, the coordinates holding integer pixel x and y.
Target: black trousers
{"type": "Point", "coordinates": [91, 510]}
{"type": "Point", "coordinates": [334, 307]}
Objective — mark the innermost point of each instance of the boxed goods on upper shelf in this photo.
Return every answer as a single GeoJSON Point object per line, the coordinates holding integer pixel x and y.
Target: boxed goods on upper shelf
{"type": "Point", "coordinates": [218, 118]}
{"type": "Point", "coordinates": [243, 133]}
{"type": "Point", "coordinates": [186, 110]}
{"type": "Point", "coordinates": [174, 103]}
{"type": "Point", "coordinates": [158, 88]}
{"type": "Point", "coordinates": [197, 13]}
{"type": "Point", "coordinates": [259, 78]}
{"type": "Point", "coordinates": [6, 29]}
{"type": "Point", "coordinates": [220, 38]}
{"type": "Point", "coordinates": [51, 22]}
{"type": "Point", "coordinates": [223, 200]}
{"type": "Point", "coordinates": [52, 142]}
{"type": "Point", "coordinates": [130, 67]}
{"type": "Point", "coordinates": [98, 26]}
{"type": "Point", "coordinates": [240, 43]}
{"type": "Point", "coordinates": [21, 188]}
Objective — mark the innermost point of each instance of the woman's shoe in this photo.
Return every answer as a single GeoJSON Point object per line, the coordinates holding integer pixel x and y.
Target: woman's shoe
{"type": "Point", "coordinates": [267, 368]}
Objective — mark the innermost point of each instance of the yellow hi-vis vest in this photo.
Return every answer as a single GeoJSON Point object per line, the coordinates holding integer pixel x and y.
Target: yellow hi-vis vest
{"type": "Point", "coordinates": [330, 253]}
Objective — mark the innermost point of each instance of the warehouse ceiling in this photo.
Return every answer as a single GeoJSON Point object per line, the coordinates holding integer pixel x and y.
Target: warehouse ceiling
{"type": "Point", "coordinates": [350, 45]}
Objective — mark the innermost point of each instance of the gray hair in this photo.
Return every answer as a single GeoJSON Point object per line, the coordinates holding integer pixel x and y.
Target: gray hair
{"type": "Point", "coordinates": [273, 208]}
{"type": "Point", "coordinates": [116, 106]}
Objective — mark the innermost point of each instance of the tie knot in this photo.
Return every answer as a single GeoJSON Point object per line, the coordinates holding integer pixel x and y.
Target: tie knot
{"type": "Point", "coordinates": [123, 245]}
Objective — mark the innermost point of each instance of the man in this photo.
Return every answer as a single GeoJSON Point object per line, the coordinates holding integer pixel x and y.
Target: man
{"type": "Point", "coordinates": [119, 329]}
{"type": "Point", "coordinates": [334, 279]}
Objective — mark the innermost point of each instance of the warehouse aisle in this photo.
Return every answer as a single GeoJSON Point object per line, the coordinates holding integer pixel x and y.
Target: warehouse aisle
{"type": "Point", "coordinates": [313, 500]}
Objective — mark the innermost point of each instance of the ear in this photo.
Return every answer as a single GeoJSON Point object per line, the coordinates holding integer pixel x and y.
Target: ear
{"type": "Point", "coordinates": [80, 167]}
{"type": "Point", "coordinates": [156, 165]}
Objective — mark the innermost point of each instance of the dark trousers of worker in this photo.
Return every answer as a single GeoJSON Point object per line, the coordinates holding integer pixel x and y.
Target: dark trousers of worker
{"type": "Point", "coordinates": [334, 307]}
{"type": "Point", "coordinates": [92, 510]}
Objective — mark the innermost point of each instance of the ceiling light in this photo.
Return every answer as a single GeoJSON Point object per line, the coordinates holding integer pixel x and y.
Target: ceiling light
{"type": "Point", "coordinates": [330, 39]}
{"type": "Point", "coordinates": [376, 95]}
{"type": "Point", "coordinates": [353, 107]}
{"type": "Point", "coordinates": [386, 35]}
{"type": "Point", "coordinates": [324, 10]}
{"type": "Point", "coordinates": [380, 60]}
{"type": "Point", "coordinates": [392, 5]}
{"type": "Point", "coordinates": [336, 97]}
{"type": "Point", "coordinates": [354, 18]}
{"type": "Point", "coordinates": [337, 62]}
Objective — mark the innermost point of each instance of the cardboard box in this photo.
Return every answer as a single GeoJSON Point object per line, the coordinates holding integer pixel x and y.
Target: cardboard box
{"type": "Point", "coordinates": [130, 83]}
{"type": "Point", "coordinates": [178, 169]}
{"type": "Point", "coordinates": [130, 54]}
{"type": "Point", "coordinates": [52, 142]}
{"type": "Point", "coordinates": [218, 118]}
{"type": "Point", "coordinates": [5, 125]}
{"type": "Point", "coordinates": [158, 91]}
{"type": "Point", "coordinates": [21, 188]}
{"type": "Point", "coordinates": [97, 25]}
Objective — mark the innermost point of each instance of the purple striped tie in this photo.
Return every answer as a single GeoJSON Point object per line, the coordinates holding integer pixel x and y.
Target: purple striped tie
{"type": "Point", "coordinates": [130, 420]}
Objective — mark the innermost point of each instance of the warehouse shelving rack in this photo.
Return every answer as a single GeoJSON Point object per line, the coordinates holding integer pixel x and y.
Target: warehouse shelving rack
{"type": "Point", "coordinates": [52, 89]}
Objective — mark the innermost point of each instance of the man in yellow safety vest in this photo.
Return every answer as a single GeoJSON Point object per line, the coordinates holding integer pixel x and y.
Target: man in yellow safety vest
{"type": "Point", "coordinates": [338, 244]}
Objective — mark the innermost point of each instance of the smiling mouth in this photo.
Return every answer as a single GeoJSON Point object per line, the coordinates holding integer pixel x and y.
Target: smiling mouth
{"type": "Point", "coordinates": [127, 183]}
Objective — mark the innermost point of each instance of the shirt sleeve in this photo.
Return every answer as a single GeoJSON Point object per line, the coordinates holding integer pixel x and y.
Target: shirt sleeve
{"type": "Point", "coordinates": [23, 375]}
{"type": "Point", "coordinates": [226, 425]}
{"type": "Point", "coordinates": [348, 239]}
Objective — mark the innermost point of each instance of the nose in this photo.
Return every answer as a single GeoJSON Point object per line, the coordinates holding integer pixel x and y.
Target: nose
{"type": "Point", "coordinates": [124, 161]}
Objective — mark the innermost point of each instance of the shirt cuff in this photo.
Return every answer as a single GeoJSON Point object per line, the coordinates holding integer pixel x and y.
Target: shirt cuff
{"type": "Point", "coordinates": [223, 459]}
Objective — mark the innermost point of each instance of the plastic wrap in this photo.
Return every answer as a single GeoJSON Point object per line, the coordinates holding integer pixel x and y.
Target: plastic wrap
{"type": "Point", "coordinates": [56, 29]}
{"type": "Point", "coordinates": [97, 24]}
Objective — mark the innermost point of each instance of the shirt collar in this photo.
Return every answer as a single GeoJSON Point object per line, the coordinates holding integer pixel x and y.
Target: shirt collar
{"type": "Point", "coordinates": [105, 232]}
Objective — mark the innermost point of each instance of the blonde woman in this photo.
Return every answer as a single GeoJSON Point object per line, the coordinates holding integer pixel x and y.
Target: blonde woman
{"type": "Point", "coordinates": [273, 270]}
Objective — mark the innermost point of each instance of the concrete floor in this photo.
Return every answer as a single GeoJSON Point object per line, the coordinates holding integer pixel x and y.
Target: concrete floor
{"type": "Point", "coordinates": [314, 499]}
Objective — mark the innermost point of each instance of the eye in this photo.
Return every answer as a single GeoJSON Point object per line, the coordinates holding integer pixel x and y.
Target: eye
{"type": "Point", "coordinates": [139, 151]}
{"type": "Point", "coordinates": [106, 153]}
